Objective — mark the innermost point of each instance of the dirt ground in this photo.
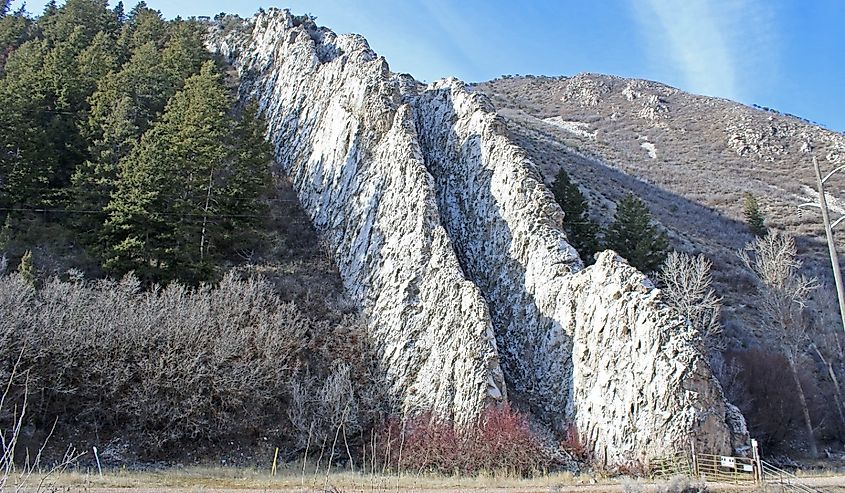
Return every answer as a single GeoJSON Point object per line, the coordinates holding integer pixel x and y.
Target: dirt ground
{"type": "Point", "coordinates": [347, 484]}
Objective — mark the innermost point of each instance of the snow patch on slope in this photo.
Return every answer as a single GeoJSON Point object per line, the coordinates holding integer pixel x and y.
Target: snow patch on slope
{"type": "Point", "coordinates": [580, 129]}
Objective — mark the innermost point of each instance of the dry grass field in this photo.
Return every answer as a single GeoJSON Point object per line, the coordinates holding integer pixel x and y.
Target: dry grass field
{"type": "Point", "coordinates": [291, 479]}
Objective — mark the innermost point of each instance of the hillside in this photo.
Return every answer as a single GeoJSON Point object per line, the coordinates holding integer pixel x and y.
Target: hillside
{"type": "Point", "coordinates": [691, 158]}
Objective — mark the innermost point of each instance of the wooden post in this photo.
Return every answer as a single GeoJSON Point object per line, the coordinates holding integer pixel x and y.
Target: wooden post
{"type": "Point", "coordinates": [275, 459]}
{"type": "Point", "coordinates": [694, 460]}
{"type": "Point", "coordinates": [831, 246]}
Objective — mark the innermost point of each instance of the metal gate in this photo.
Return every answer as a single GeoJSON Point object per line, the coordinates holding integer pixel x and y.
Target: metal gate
{"type": "Point", "coordinates": [727, 469]}
{"type": "Point", "coordinates": [711, 467]}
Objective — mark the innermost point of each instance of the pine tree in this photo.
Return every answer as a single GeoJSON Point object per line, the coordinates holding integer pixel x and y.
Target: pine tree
{"type": "Point", "coordinates": [119, 12]}
{"type": "Point", "coordinates": [6, 234]}
{"type": "Point", "coordinates": [14, 31]}
{"type": "Point", "coordinates": [580, 230]}
{"type": "Point", "coordinates": [127, 102]}
{"type": "Point", "coordinates": [753, 216]}
{"type": "Point", "coordinates": [48, 15]}
{"type": "Point", "coordinates": [26, 269]}
{"type": "Point", "coordinates": [173, 214]}
{"type": "Point", "coordinates": [143, 25]}
{"type": "Point", "coordinates": [28, 153]}
{"type": "Point", "coordinates": [96, 61]}
{"type": "Point", "coordinates": [86, 16]}
{"type": "Point", "coordinates": [124, 105]}
{"type": "Point", "coordinates": [247, 178]}
{"type": "Point", "coordinates": [633, 236]}
{"type": "Point", "coordinates": [184, 52]}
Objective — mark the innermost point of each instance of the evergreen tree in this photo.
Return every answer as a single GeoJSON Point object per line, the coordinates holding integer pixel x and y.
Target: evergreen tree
{"type": "Point", "coordinates": [125, 104]}
{"type": "Point", "coordinates": [26, 269]}
{"type": "Point", "coordinates": [143, 25]}
{"type": "Point", "coordinates": [68, 89]}
{"type": "Point", "coordinates": [14, 31]}
{"type": "Point", "coordinates": [184, 52]}
{"type": "Point", "coordinates": [48, 16]}
{"type": "Point", "coordinates": [141, 81]}
{"type": "Point", "coordinates": [96, 179]}
{"type": "Point", "coordinates": [28, 156]}
{"type": "Point", "coordinates": [119, 13]}
{"type": "Point", "coordinates": [95, 112]}
{"type": "Point", "coordinates": [633, 236]}
{"type": "Point", "coordinates": [182, 188]}
{"type": "Point", "coordinates": [88, 17]}
{"type": "Point", "coordinates": [580, 230]}
{"type": "Point", "coordinates": [96, 61]}
{"type": "Point", "coordinates": [45, 94]}
{"type": "Point", "coordinates": [247, 178]}
{"type": "Point", "coordinates": [6, 234]}
{"type": "Point", "coordinates": [753, 216]}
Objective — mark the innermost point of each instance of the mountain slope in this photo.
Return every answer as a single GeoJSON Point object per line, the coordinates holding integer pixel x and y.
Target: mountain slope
{"type": "Point", "coordinates": [691, 158]}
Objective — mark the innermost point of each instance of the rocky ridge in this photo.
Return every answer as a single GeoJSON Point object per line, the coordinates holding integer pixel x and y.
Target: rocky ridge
{"type": "Point", "coordinates": [444, 233]}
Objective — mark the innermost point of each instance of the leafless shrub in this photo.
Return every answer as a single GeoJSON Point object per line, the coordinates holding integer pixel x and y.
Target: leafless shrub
{"type": "Point", "coordinates": [630, 485]}
{"type": "Point", "coordinates": [173, 363]}
{"type": "Point", "coordinates": [730, 372]}
{"type": "Point", "coordinates": [681, 484]}
{"type": "Point", "coordinates": [501, 441]}
{"type": "Point", "coordinates": [320, 407]}
{"type": "Point", "coordinates": [687, 285]}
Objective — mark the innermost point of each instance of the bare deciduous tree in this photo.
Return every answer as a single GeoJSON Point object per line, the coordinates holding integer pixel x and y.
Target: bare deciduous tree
{"type": "Point", "coordinates": [828, 345]}
{"type": "Point", "coordinates": [783, 295]}
{"type": "Point", "coordinates": [687, 285]}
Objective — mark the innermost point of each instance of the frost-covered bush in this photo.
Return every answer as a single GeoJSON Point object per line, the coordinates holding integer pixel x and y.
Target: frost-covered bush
{"type": "Point", "coordinates": [174, 363]}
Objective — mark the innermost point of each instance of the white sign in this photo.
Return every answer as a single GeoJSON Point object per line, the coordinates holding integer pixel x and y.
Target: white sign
{"type": "Point", "coordinates": [748, 468]}
{"type": "Point", "coordinates": [729, 462]}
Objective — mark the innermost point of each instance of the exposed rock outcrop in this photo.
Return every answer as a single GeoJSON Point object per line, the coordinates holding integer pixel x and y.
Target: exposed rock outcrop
{"type": "Point", "coordinates": [445, 234]}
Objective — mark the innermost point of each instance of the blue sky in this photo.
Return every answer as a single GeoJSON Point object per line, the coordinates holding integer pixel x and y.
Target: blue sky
{"type": "Point", "coordinates": [787, 55]}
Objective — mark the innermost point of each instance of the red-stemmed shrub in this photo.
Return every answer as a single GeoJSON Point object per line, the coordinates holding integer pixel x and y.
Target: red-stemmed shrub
{"type": "Point", "coordinates": [573, 445]}
{"type": "Point", "coordinates": [501, 441]}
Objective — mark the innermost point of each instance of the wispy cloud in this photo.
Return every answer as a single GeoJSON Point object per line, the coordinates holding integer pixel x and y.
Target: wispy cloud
{"type": "Point", "coordinates": [717, 46]}
{"type": "Point", "coordinates": [459, 36]}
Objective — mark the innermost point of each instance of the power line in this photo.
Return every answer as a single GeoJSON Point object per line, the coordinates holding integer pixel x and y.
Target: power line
{"type": "Point", "coordinates": [60, 190]}
{"type": "Point", "coordinates": [101, 212]}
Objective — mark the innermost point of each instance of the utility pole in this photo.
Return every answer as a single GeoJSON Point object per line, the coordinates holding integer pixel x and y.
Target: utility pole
{"type": "Point", "coordinates": [828, 229]}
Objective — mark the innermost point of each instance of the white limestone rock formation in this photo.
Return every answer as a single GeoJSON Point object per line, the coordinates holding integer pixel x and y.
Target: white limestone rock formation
{"type": "Point", "coordinates": [351, 150]}
{"type": "Point", "coordinates": [445, 234]}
